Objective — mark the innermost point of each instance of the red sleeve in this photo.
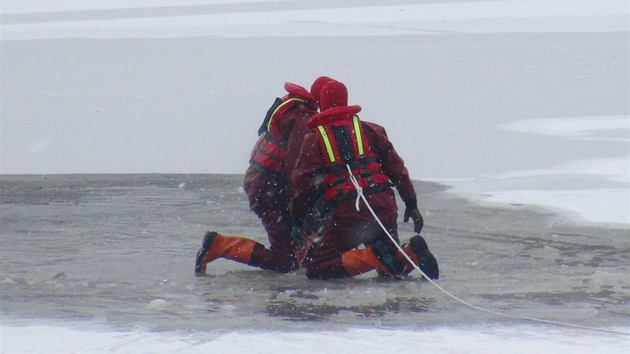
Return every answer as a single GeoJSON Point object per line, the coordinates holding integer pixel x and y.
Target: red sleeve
{"type": "Point", "coordinates": [393, 164]}
{"type": "Point", "coordinates": [306, 177]}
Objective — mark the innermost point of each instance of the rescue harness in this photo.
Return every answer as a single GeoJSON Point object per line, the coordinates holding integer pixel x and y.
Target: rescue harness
{"type": "Point", "coordinates": [343, 142]}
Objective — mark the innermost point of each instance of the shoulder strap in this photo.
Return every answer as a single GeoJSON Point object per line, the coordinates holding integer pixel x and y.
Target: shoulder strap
{"type": "Point", "coordinates": [272, 109]}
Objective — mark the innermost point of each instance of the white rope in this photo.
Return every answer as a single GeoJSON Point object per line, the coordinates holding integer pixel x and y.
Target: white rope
{"type": "Point", "coordinates": [360, 197]}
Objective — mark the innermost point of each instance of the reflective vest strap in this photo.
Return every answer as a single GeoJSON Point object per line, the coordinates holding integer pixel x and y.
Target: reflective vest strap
{"type": "Point", "coordinates": [269, 153]}
{"type": "Point", "coordinates": [329, 150]}
{"type": "Point", "coordinates": [340, 146]}
{"type": "Point", "coordinates": [282, 105]}
{"type": "Point", "coordinates": [357, 132]}
{"type": "Point", "coordinates": [357, 143]}
{"type": "Point", "coordinates": [268, 138]}
{"type": "Point", "coordinates": [339, 186]}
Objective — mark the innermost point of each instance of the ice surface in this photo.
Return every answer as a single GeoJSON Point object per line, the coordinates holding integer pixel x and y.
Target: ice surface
{"type": "Point", "coordinates": [112, 256]}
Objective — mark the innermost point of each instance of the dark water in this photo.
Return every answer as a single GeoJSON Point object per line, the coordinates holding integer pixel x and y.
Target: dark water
{"type": "Point", "coordinates": [118, 250]}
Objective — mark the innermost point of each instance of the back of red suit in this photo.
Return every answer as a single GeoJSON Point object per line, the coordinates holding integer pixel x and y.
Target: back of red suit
{"type": "Point", "coordinates": [340, 145]}
{"type": "Point", "coordinates": [267, 180]}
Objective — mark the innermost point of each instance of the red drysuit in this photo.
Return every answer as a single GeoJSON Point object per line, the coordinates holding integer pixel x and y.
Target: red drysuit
{"type": "Point", "coordinates": [267, 180]}
{"type": "Point", "coordinates": [346, 228]}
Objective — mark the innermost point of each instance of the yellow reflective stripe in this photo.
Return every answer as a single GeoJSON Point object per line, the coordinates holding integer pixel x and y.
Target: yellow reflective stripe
{"type": "Point", "coordinates": [331, 154]}
{"type": "Point", "coordinates": [357, 133]}
{"type": "Point", "coordinates": [276, 110]}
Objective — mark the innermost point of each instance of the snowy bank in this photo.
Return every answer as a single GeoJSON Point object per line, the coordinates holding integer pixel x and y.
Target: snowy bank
{"type": "Point", "coordinates": [517, 339]}
{"type": "Point", "coordinates": [595, 190]}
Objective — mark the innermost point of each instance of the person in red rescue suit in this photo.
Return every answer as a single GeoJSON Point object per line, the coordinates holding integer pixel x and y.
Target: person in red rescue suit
{"type": "Point", "coordinates": [267, 186]}
{"type": "Point", "coordinates": [340, 138]}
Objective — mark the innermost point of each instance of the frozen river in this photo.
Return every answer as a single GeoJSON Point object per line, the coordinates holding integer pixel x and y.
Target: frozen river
{"type": "Point", "coordinates": [118, 250]}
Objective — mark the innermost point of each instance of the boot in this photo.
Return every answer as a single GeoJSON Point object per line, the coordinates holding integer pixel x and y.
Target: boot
{"type": "Point", "coordinates": [377, 256]}
{"type": "Point", "coordinates": [218, 246]}
{"type": "Point", "coordinates": [419, 253]}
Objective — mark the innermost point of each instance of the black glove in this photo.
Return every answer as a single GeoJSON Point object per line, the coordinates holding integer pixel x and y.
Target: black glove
{"type": "Point", "coordinates": [298, 232]}
{"type": "Point", "coordinates": [411, 211]}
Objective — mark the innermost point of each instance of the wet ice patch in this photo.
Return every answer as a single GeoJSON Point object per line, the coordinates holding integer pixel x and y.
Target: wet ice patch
{"type": "Point", "coordinates": [551, 252]}
{"type": "Point", "coordinates": [158, 304]}
{"type": "Point", "coordinates": [60, 276]}
{"type": "Point", "coordinates": [607, 279]}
